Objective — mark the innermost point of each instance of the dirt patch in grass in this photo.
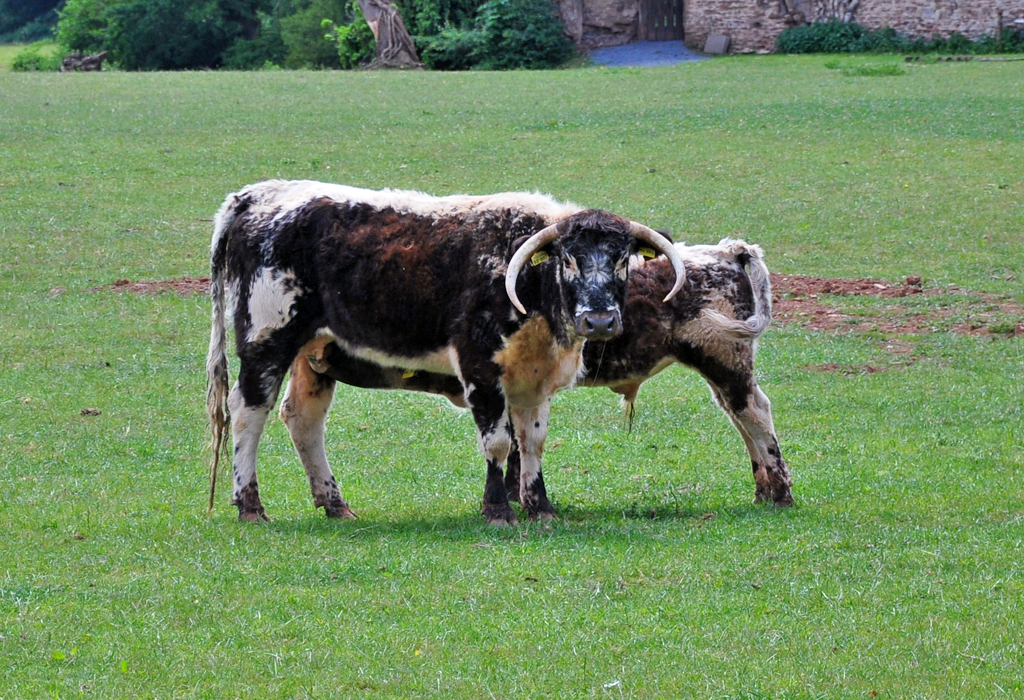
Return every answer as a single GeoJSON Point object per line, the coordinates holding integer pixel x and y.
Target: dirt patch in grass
{"type": "Point", "coordinates": [183, 285]}
{"type": "Point", "coordinates": [816, 303]}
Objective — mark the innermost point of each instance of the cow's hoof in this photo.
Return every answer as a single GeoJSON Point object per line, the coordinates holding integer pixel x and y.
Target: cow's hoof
{"type": "Point", "coordinates": [253, 516]}
{"type": "Point", "coordinates": [541, 511]}
{"type": "Point", "coordinates": [499, 516]}
{"type": "Point", "coordinates": [784, 501]}
{"type": "Point", "coordinates": [342, 512]}
{"type": "Point", "coordinates": [780, 500]}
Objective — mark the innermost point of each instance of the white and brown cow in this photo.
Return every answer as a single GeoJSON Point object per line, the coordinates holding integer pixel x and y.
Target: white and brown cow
{"type": "Point", "coordinates": [713, 328]}
{"type": "Point", "coordinates": [499, 292]}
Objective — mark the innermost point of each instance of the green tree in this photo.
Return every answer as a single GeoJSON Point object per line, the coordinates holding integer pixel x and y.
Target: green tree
{"type": "Point", "coordinates": [83, 25]}
{"type": "Point", "coordinates": [304, 37]}
{"type": "Point", "coordinates": [178, 34]}
{"type": "Point", "coordinates": [16, 14]}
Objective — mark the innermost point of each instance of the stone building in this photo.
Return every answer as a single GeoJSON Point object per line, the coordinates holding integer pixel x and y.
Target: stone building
{"type": "Point", "coordinates": [752, 25]}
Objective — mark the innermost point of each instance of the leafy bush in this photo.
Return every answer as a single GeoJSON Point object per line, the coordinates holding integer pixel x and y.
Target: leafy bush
{"type": "Point", "coordinates": [885, 40]}
{"type": "Point", "coordinates": [253, 54]}
{"type": "Point", "coordinates": [837, 37]}
{"type": "Point", "coordinates": [521, 34]}
{"type": "Point", "coordinates": [355, 43]}
{"type": "Point", "coordinates": [452, 49]}
{"type": "Point", "coordinates": [820, 37]}
{"type": "Point", "coordinates": [83, 25]}
{"type": "Point", "coordinates": [431, 18]}
{"type": "Point", "coordinates": [178, 34]}
{"type": "Point", "coordinates": [508, 34]}
{"type": "Point", "coordinates": [31, 58]}
{"type": "Point", "coordinates": [303, 34]}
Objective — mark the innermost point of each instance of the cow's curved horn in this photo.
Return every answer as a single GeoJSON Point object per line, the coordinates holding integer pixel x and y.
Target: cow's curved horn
{"type": "Point", "coordinates": [525, 252]}
{"type": "Point", "coordinates": [662, 245]}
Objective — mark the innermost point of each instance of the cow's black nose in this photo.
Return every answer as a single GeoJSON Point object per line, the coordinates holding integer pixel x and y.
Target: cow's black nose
{"type": "Point", "coordinates": [598, 325]}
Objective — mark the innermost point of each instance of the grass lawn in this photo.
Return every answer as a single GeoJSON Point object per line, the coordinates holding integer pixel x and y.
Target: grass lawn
{"type": "Point", "coordinates": [897, 574]}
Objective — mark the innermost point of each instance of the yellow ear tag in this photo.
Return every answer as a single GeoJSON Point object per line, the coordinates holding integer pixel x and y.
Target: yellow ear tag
{"type": "Point", "coordinates": [648, 253]}
{"type": "Point", "coordinates": [408, 373]}
{"type": "Point", "coordinates": [539, 257]}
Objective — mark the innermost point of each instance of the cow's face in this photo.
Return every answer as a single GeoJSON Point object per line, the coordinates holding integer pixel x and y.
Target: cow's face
{"type": "Point", "coordinates": [592, 249]}
{"type": "Point", "coordinates": [594, 263]}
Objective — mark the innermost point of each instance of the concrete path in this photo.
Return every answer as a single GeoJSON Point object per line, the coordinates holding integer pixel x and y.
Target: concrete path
{"type": "Point", "coordinates": [644, 54]}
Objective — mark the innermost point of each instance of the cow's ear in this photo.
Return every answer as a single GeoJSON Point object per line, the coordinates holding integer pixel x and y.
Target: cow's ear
{"type": "Point", "coordinates": [645, 249]}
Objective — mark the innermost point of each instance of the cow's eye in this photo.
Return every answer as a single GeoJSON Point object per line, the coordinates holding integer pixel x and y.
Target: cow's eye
{"type": "Point", "coordinates": [571, 264]}
{"type": "Point", "coordinates": [621, 263]}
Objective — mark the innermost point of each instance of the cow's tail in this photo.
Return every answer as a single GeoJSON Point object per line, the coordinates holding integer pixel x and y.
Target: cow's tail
{"type": "Point", "coordinates": [216, 358]}
{"type": "Point", "coordinates": [752, 258]}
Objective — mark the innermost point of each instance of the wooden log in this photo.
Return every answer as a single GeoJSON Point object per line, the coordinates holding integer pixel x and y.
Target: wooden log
{"type": "Point", "coordinates": [82, 62]}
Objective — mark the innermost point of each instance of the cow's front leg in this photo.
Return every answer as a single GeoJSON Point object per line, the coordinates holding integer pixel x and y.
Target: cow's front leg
{"type": "Point", "coordinates": [304, 410]}
{"type": "Point", "coordinates": [512, 471]}
{"type": "Point", "coordinates": [531, 429]}
{"type": "Point", "coordinates": [493, 433]}
{"type": "Point", "coordinates": [773, 483]}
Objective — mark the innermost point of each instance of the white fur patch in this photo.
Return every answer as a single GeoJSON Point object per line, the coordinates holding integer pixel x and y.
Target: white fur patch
{"type": "Point", "coordinates": [439, 361]}
{"type": "Point", "coordinates": [271, 302]}
{"type": "Point", "coordinates": [281, 198]}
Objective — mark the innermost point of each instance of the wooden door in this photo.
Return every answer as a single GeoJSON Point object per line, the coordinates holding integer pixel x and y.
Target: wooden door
{"type": "Point", "coordinates": [661, 20]}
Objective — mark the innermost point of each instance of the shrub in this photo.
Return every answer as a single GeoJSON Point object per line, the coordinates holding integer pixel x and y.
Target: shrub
{"type": "Point", "coordinates": [355, 43]}
{"type": "Point", "coordinates": [837, 37]}
{"type": "Point", "coordinates": [31, 58]}
{"type": "Point", "coordinates": [303, 34]}
{"type": "Point", "coordinates": [430, 18]}
{"type": "Point", "coordinates": [521, 34]}
{"type": "Point", "coordinates": [253, 54]}
{"type": "Point", "coordinates": [452, 49]}
{"type": "Point", "coordinates": [820, 37]}
{"type": "Point", "coordinates": [178, 34]}
{"type": "Point", "coordinates": [83, 25]}
{"type": "Point", "coordinates": [885, 40]}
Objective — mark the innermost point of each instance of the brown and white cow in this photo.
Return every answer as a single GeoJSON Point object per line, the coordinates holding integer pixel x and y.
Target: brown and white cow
{"type": "Point", "coordinates": [498, 291]}
{"type": "Point", "coordinates": [713, 328]}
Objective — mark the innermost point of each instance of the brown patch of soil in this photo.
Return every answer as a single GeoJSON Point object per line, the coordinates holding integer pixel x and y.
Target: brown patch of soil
{"type": "Point", "coordinates": [848, 370]}
{"type": "Point", "coordinates": [798, 299]}
{"type": "Point", "coordinates": [182, 285]}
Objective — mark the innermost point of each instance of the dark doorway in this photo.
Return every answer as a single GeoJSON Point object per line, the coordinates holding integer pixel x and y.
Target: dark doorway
{"type": "Point", "coordinates": [661, 20]}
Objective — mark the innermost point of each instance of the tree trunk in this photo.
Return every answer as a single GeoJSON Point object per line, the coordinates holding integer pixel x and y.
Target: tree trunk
{"type": "Point", "coordinates": [78, 61]}
{"type": "Point", "coordinates": [394, 45]}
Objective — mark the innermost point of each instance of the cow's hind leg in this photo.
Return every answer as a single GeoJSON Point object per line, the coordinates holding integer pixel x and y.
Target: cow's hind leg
{"type": "Point", "coordinates": [531, 429]}
{"type": "Point", "coordinates": [304, 410]}
{"type": "Point", "coordinates": [751, 413]}
{"type": "Point", "coordinates": [250, 402]}
{"type": "Point", "coordinates": [495, 437]}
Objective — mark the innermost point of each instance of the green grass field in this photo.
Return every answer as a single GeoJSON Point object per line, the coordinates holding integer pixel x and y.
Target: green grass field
{"type": "Point", "coordinates": [897, 574]}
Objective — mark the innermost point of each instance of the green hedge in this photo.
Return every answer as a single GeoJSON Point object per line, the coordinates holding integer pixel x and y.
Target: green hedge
{"type": "Point", "coordinates": [507, 34]}
{"type": "Point", "coordinates": [839, 37]}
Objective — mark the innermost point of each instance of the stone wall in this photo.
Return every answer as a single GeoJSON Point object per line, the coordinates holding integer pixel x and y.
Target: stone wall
{"type": "Point", "coordinates": [594, 24]}
{"type": "Point", "coordinates": [752, 25]}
